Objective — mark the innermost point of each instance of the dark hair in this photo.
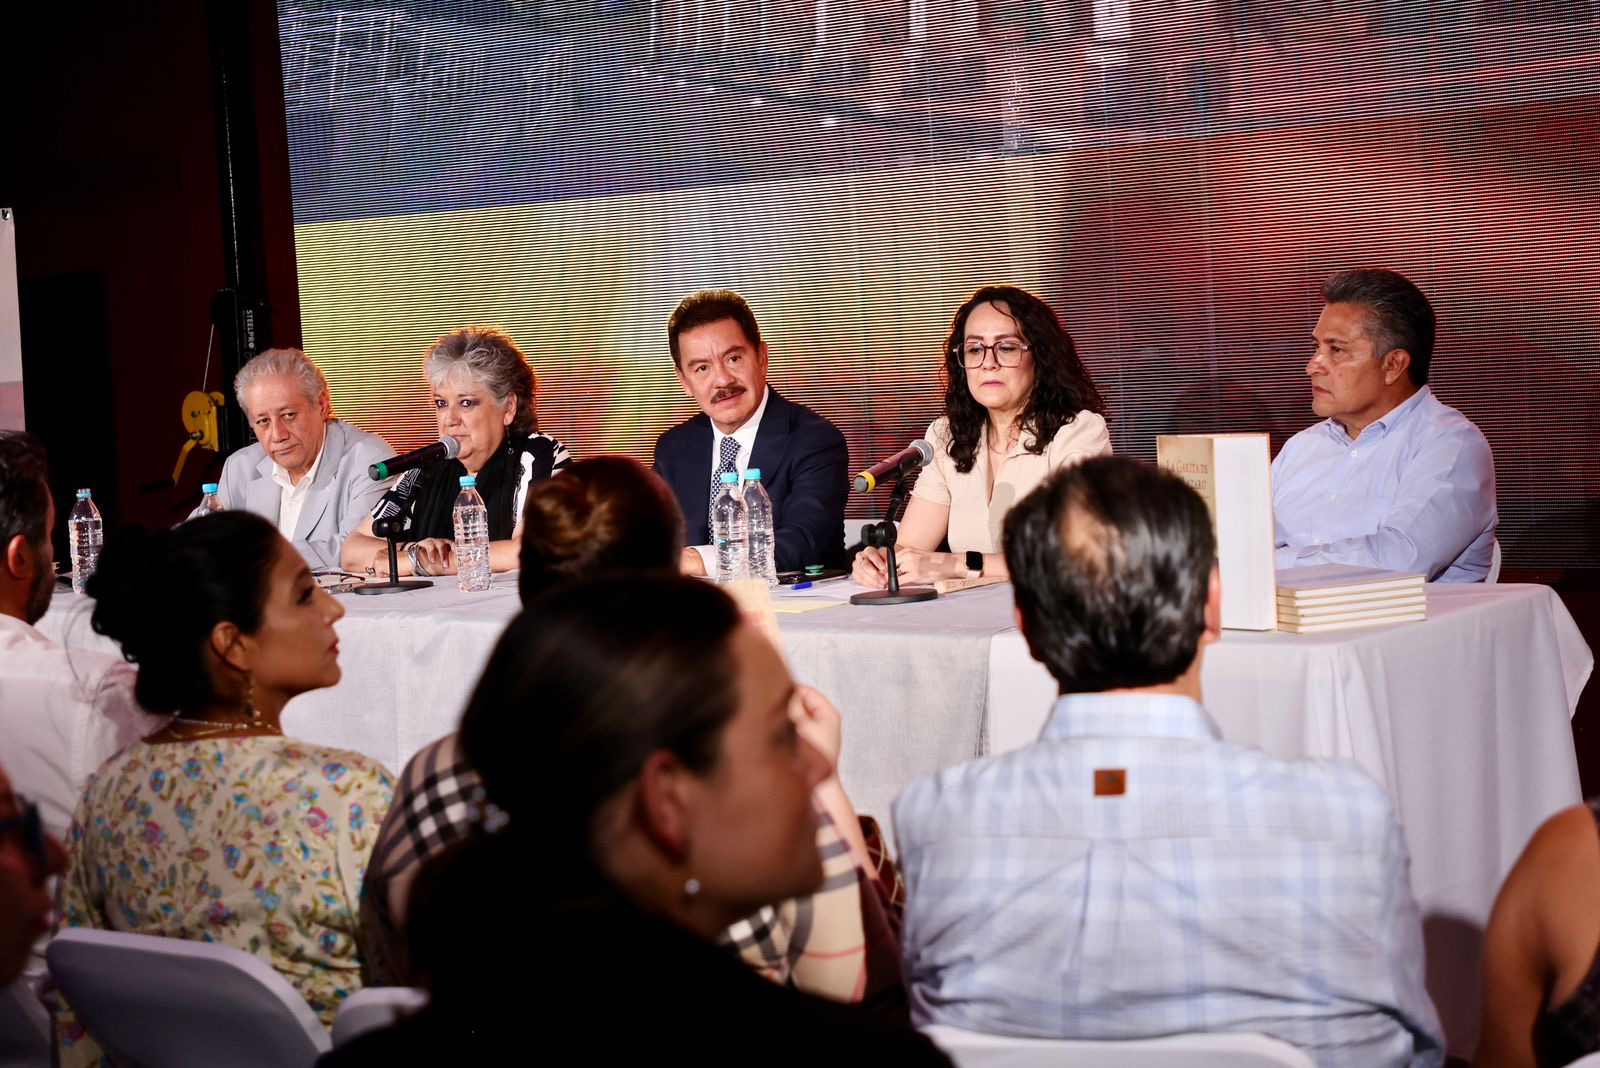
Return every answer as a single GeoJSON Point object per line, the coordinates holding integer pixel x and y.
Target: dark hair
{"type": "Point", "coordinates": [1111, 561]}
{"type": "Point", "coordinates": [602, 514]}
{"type": "Point", "coordinates": [159, 593]}
{"type": "Point", "coordinates": [490, 358]}
{"type": "Point", "coordinates": [581, 689]}
{"type": "Point", "coordinates": [1061, 384]}
{"type": "Point", "coordinates": [1398, 315]}
{"type": "Point", "coordinates": [711, 306]}
{"type": "Point", "coordinates": [24, 489]}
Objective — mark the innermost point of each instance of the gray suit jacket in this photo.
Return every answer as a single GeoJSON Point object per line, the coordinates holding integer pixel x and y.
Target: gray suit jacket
{"type": "Point", "coordinates": [340, 497]}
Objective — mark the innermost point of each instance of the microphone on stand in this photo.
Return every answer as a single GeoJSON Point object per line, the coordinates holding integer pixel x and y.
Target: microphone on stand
{"type": "Point", "coordinates": [392, 505]}
{"type": "Point", "coordinates": [447, 447]}
{"type": "Point", "coordinates": [918, 454]}
{"type": "Point", "coordinates": [391, 518]}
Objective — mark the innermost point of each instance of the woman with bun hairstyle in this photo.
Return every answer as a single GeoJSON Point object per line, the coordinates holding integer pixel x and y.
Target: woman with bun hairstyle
{"type": "Point", "coordinates": [604, 515]}
{"type": "Point", "coordinates": [647, 784]}
{"type": "Point", "coordinates": [217, 827]}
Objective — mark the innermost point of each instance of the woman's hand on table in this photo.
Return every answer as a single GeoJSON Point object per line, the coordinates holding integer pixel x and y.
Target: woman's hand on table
{"type": "Point", "coordinates": [437, 556]}
{"type": "Point", "coordinates": [870, 569]}
{"type": "Point", "coordinates": [919, 567]}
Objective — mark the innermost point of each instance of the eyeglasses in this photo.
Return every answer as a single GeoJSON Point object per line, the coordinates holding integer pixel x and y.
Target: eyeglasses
{"type": "Point", "coordinates": [32, 829]}
{"type": "Point", "coordinates": [1007, 352]}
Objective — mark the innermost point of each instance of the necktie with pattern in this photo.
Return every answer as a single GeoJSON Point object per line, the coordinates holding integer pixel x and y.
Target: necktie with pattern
{"type": "Point", "coordinates": [728, 460]}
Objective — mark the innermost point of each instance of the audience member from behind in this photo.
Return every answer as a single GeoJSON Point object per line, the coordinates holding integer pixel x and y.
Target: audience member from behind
{"type": "Point", "coordinates": [1131, 874]}
{"type": "Point", "coordinates": [1390, 478]}
{"type": "Point", "coordinates": [217, 827]}
{"type": "Point", "coordinates": [603, 515]}
{"type": "Point", "coordinates": [485, 395]}
{"type": "Point", "coordinates": [1018, 404]}
{"type": "Point", "coordinates": [307, 471]}
{"type": "Point", "coordinates": [61, 711]}
{"type": "Point", "coordinates": [647, 787]}
{"type": "Point", "coordinates": [1541, 971]}
{"type": "Point", "coordinates": [29, 856]}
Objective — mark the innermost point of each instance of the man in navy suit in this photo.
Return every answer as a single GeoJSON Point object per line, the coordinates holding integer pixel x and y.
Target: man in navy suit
{"type": "Point", "coordinates": [743, 423]}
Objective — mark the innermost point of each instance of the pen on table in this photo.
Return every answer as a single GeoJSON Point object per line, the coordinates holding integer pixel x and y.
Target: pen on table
{"type": "Point", "coordinates": [806, 585]}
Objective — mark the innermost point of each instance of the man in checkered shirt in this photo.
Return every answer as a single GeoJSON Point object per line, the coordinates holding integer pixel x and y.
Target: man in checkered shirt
{"type": "Point", "coordinates": [1131, 874]}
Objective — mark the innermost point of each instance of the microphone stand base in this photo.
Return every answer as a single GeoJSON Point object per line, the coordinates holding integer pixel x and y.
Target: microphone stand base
{"type": "Point", "coordinates": [904, 595]}
{"type": "Point", "coordinates": [394, 586]}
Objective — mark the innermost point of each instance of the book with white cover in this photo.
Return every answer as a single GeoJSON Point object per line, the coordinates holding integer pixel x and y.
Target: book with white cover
{"type": "Point", "coordinates": [1350, 624]}
{"type": "Point", "coordinates": [1233, 475]}
{"type": "Point", "coordinates": [1405, 603]}
{"type": "Point", "coordinates": [1346, 581]}
{"type": "Point", "coordinates": [1376, 612]}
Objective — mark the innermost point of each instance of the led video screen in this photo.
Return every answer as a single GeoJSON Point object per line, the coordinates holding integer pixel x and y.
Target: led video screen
{"type": "Point", "coordinates": [1175, 178]}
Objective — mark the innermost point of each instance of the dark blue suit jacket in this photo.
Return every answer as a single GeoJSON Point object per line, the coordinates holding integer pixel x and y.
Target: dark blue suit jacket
{"type": "Point", "coordinates": [805, 469]}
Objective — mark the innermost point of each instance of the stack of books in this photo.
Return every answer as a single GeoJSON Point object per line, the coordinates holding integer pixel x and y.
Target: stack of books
{"type": "Point", "coordinates": [1341, 596]}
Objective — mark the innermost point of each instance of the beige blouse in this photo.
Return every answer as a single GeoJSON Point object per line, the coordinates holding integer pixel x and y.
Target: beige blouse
{"type": "Point", "coordinates": [976, 518]}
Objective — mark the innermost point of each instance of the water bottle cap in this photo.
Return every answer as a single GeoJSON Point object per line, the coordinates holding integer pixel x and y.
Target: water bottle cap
{"type": "Point", "coordinates": [82, 494]}
{"type": "Point", "coordinates": [753, 474]}
{"type": "Point", "coordinates": [209, 487]}
{"type": "Point", "coordinates": [469, 480]}
{"type": "Point", "coordinates": [730, 477]}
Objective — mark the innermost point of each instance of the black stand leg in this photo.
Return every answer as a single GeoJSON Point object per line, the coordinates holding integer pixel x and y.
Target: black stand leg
{"type": "Point", "coordinates": [883, 535]}
{"type": "Point", "coordinates": [395, 584]}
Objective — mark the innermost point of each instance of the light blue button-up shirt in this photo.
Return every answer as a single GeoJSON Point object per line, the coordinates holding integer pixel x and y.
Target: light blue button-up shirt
{"type": "Point", "coordinates": [1415, 493]}
{"type": "Point", "coordinates": [1224, 890]}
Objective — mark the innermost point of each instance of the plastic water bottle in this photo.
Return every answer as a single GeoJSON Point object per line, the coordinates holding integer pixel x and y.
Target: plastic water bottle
{"type": "Point", "coordinates": [758, 509]}
{"type": "Point", "coordinates": [730, 530]}
{"type": "Point", "coordinates": [208, 503]}
{"type": "Point", "coordinates": [472, 537]}
{"type": "Point", "coordinates": [84, 531]}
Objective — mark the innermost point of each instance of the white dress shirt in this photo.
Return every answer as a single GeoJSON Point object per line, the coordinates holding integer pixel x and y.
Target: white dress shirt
{"type": "Point", "coordinates": [293, 495]}
{"type": "Point", "coordinates": [746, 437]}
{"type": "Point", "coordinates": [1415, 492]}
{"type": "Point", "coordinates": [62, 714]}
{"type": "Point", "coordinates": [1201, 886]}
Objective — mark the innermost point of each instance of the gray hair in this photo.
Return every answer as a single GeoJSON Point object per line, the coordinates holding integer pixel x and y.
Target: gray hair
{"type": "Point", "coordinates": [290, 363]}
{"type": "Point", "coordinates": [491, 359]}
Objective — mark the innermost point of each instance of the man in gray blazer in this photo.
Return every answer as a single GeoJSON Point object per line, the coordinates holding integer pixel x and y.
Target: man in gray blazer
{"type": "Point", "coordinates": [307, 472]}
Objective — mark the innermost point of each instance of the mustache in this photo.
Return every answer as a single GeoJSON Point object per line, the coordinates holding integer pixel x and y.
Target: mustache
{"type": "Point", "coordinates": [723, 394]}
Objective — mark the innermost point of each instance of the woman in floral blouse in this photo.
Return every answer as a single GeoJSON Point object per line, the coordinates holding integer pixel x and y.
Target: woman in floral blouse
{"type": "Point", "coordinates": [217, 827]}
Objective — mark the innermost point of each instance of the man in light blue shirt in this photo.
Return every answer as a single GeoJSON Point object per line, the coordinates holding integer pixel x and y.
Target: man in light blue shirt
{"type": "Point", "coordinates": [1131, 874]}
{"type": "Point", "coordinates": [1390, 478]}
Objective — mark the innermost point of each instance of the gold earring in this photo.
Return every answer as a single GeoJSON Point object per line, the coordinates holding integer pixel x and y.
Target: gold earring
{"type": "Point", "coordinates": [250, 711]}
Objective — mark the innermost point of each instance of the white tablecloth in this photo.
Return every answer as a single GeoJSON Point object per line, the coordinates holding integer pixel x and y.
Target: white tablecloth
{"type": "Point", "coordinates": [1464, 717]}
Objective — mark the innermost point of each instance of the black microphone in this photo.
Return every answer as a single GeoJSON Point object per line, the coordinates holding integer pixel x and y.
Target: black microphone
{"type": "Point", "coordinates": [447, 447]}
{"type": "Point", "coordinates": [908, 459]}
{"type": "Point", "coordinates": [389, 517]}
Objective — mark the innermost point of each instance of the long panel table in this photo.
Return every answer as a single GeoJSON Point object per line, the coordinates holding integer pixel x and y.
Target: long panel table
{"type": "Point", "coordinates": [1464, 718]}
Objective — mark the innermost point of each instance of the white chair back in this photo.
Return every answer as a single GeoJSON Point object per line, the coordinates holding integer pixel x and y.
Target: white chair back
{"type": "Point", "coordinates": [24, 1028]}
{"type": "Point", "coordinates": [970, 1049]}
{"type": "Point", "coordinates": [1494, 564]}
{"type": "Point", "coordinates": [173, 1003]}
{"type": "Point", "coordinates": [373, 1008]}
